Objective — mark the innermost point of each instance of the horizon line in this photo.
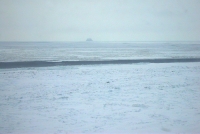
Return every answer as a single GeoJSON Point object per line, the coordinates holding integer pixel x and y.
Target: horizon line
{"type": "Point", "coordinates": [94, 41]}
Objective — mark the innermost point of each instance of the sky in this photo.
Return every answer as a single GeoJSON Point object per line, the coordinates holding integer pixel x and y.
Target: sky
{"type": "Point", "coordinates": [101, 20]}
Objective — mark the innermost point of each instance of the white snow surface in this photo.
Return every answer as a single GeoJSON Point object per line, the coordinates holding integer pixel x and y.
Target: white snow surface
{"type": "Point", "coordinates": [108, 99]}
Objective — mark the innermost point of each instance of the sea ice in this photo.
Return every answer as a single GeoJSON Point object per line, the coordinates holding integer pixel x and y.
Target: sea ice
{"type": "Point", "coordinates": [134, 98]}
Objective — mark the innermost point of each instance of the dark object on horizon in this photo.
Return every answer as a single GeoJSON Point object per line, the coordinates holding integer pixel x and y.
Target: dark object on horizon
{"type": "Point", "coordinates": [89, 39]}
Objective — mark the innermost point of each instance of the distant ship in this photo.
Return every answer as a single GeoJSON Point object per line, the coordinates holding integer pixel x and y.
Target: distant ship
{"type": "Point", "coordinates": [89, 39]}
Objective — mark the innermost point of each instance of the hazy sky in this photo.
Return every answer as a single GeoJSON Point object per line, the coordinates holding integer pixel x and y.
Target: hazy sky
{"type": "Point", "coordinates": [102, 20]}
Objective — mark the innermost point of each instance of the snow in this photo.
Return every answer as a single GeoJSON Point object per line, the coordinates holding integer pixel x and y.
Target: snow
{"type": "Point", "coordinates": [81, 51]}
{"type": "Point", "coordinates": [131, 98]}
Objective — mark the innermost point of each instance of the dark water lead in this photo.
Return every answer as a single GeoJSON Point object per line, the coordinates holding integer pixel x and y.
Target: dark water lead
{"type": "Point", "coordinates": [22, 64]}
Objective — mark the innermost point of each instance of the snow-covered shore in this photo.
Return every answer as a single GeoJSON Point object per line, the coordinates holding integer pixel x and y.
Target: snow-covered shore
{"type": "Point", "coordinates": [133, 98]}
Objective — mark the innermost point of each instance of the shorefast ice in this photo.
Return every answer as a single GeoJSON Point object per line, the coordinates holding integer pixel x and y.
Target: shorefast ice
{"type": "Point", "coordinates": [134, 98]}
